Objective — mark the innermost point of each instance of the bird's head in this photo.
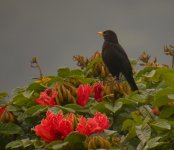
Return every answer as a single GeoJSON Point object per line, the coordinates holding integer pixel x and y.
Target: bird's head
{"type": "Point", "coordinates": [109, 36]}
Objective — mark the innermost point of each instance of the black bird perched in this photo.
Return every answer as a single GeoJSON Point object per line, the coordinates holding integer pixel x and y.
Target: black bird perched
{"type": "Point", "coordinates": [116, 59]}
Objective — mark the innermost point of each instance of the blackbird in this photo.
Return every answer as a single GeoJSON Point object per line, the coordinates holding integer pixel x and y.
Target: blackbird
{"type": "Point", "coordinates": [116, 59]}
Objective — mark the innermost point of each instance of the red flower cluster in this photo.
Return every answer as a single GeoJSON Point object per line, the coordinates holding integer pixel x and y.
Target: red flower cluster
{"type": "Point", "coordinates": [97, 124]}
{"type": "Point", "coordinates": [54, 127]}
{"type": "Point", "coordinates": [98, 89]}
{"type": "Point", "coordinates": [83, 92]}
{"type": "Point", "coordinates": [58, 126]}
{"type": "Point", "coordinates": [47, 98]}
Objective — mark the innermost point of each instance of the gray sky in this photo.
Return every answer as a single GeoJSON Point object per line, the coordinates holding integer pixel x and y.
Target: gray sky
{"type": "Point", "coordinates": [55, 30]}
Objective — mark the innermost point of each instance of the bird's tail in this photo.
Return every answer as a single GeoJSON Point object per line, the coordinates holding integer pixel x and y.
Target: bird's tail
{"type": "Point", "coordinates": [131, 82]}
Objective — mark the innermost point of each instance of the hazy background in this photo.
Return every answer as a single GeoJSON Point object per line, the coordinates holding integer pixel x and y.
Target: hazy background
{"type": "Point", "coordinates": [55, 30]}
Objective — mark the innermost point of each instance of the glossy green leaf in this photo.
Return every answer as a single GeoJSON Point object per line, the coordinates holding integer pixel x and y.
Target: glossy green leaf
{"type": "Point", "coordinates": [66, 72]}
{"type": "Point", "coordinates": [57, 145]}
{"type": "Point", "coordinates": [76, 140]}
{"type": "Point", "coordinates": [21, 100]}
{"type": "Point", "coordinates": [107, 133]}
{"type": "Point", "coordinates": [146, 111]}
{"type": "Point", "coordinates": [166, 112]}
{"type": "Point", "coordinates": [77, 108]}
{"type": "Point", "coordinates": [36, 110]}
{"type": "Point", "coordinates": [152, 143]}
{"type": "Point", "coordinates": [117, 106]}
{"type": "Point", "coordinates": [143, 132]}
{"type": "Point", "coordinates": [37, 87]}
{"type": "Point", "coordinates": [161, 124]}
{"type": "Point", "coordinates": [170, 96]}
{"type": "Point", "coordinates": [137, 117]}
{"type": "Point", "coordinates": [127, 124]}
{"type": "Point", "coordinates": [14, 145]}
{"type": "Point", "coordinates": [3, 95]}
{"type": "Point", "coordinates": [13, 108]}
{"type": "Point", "coordinates": [20, 144]}
{"type": "Point", "coordinates": [150, 74]}
{"type": "Point", "coordinates": [100, 107]}
{"type": "Point", "coordinates": [56, 109]}
{"type": "Point", "coordinates": [144, 71]}
{"type": "Point", "coordinates": [161, 97]}
{"type": "Point", "coordinates": [10, 128]}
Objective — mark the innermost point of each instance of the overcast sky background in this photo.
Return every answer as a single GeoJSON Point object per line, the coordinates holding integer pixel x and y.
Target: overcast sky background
{"type": "Point", "coordinates": [55, 30]}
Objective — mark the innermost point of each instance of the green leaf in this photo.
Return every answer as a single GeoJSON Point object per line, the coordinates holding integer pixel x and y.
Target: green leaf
{"type": "Point", "coordinates": [94, 61]}
{"type": "Point", "coordinates": [117, 106]}
{"type": "Point", "coordinates": [63, 72]}
{"type": "Point", "coordinates": [76, 72]}
{"type": "Point", "coordinates": [20, 100]}
{"type": "Point", "coordinates": [14, 144]}
{"type": "Point", "coordinates": [24, 143]}
{"type": "Point", "coordinates": [127, 124]}
{"type": "Point", "coordinates": [130, 135]}
{"type": "Point", "coordinates": [57, 145]}
{"type": "Point", "coordinates": [161, 124]}
{"type": "Point", "coordinates": [10, 128]}
{"type": "Point", "coordinates": [161, 97]}
{"type": "Point", "coordinates": [133, 100]}
{"type": "Point", "coordinates": [150, 74]}
{"type": "Point", "coordinates": [146, 111]}
{"type": "Point", "coordinates": [77, 108]}
{"type": "Point", "coordinates": [137, 117]}
{"type": "Point", "coordinates": [152, 143]}
{"type": "Point", "coordinates": [21, 116]}
{"type": "Point", "coordinates": [76, 140]}
{"type": "Point", "coordinates": [100, 107]}
{"type": "Point", "coordinates": [140, 146]}
{"type": "Point", "coordinates": [66, 72]}
{"type": "Point", "coordinates": [143, 132]}
{"type": "Point", "coordinates": [106, 133]}
{"type": "Point", "coordinates": [128, 101]}
{"type": "Point", "coordinates": [37, 87]}
{"type": "Point", "coordinates": [36, 110]}
{"type": "Point", "coordinates": [3, 95]}
{"type": "Point", "coordinates": [64, 109]}
{"type": "Point", "coordinates": [170, 96]}
{"type": "Point", "coordinates": [166, 112]}
{"type": "Point", "coordinates": [13, 108]}
{"type": "Point", "coordinates": [28, 94]}
{"type": "Point", "coordinates": [144, 71]}
{"type": "Point", "coordinates": [56, 109]}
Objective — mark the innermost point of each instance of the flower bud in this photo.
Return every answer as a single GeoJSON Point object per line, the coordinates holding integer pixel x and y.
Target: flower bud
{"type": "Point", "coordinates": [6, 116]}
{"type": "Point", "coordinates": [96, 142]}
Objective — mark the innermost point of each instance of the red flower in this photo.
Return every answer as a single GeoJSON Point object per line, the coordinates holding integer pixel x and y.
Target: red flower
{"type": "Point", "coordinates": [54, 127]}
{"type": "Point", "coordinates": [102, 120]}
{"type": "Point", "coordinates": [47, 98]}
{"type": "Point", "coordinates": [97, 124]}
{"type": "Point", "coordinates": [83, 92]}
{"type": "Point", "coordinates": [98, 89]}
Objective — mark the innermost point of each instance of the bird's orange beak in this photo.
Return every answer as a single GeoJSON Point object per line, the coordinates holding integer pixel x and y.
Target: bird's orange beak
{"type": "Point", "coordinates": [100, 33]}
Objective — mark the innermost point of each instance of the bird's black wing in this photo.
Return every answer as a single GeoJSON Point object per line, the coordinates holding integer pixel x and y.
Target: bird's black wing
{"type": "Point", "coordinates": [120, 57]}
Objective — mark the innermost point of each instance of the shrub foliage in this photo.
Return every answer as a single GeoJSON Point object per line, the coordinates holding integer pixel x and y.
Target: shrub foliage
{"type": "Point", "coordinates": [137, 120]}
